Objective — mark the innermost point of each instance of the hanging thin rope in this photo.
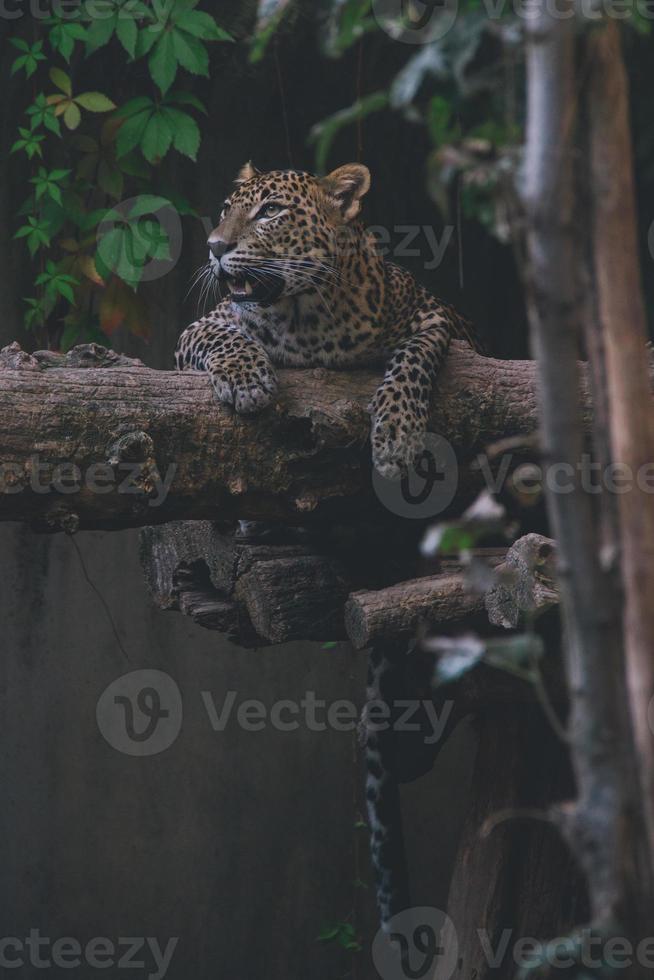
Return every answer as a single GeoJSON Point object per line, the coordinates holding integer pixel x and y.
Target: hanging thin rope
{"type": "Point", "coordinates": [459, 221]}
{"type": "Point", "coordinates": [359, 96]}
{"type": "Point", "coordinates": [282, 98]}
{"type": "Point", "coordinates": [102, 599]}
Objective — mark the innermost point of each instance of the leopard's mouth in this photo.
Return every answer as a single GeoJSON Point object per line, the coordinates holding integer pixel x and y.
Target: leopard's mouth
{"type": "Point", "coordinates": [264, 287]}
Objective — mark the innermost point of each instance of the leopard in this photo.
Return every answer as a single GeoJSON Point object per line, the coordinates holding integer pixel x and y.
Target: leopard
{"type": "Point", "coordinates": [307, 286]}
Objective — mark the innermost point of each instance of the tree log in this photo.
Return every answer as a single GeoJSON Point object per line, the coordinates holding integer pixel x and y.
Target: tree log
{"type": "Point", "coordinates": [524, 584]}
{"type": "Point", "coordinates": [262, 594]}
{"type": "Point", "coordinates": [396, 613]}
{"type": "Point", "coordinates": [257, 594]}
{"type": "Point", "coordinates": [89, 439]}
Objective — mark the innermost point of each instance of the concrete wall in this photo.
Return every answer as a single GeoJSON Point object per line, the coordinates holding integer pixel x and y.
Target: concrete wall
{"type": "Point", "coordinates": [240, 843]}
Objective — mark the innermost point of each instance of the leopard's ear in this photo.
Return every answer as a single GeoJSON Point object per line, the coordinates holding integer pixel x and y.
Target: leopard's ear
{"type": "Point", "coordinates": [345, 187]}
{"type": "Point", "coordinates": [247, 172]}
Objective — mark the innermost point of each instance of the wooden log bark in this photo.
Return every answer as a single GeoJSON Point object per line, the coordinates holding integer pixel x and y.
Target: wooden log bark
{"type": "Point", "coordinates": [91, 439]}
{"type": "Point", "coordinates": [257, 594]}
{"type": "Point", "coordinates": [623, 327]}
{"type": "Point", "coordinates": [262, 594]}
{"type": "Point", "coordinates": [397, 612]}
{"type": "Point", "coordinates": [604, 826]}
{"type": "Point", "coordinates": [525, 584]}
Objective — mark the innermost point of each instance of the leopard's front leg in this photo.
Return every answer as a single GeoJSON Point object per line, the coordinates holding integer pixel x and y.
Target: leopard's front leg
{"type": "Point", "coordinates": [240, 370]}
{"type": "Point", "coordinates": [400, 407]}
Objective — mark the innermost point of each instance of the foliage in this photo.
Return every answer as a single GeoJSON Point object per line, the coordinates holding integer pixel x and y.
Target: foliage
{"type": "Point", "coordinates": [342, 933]}
{"type": "Point", "coordinates": [86, 151]}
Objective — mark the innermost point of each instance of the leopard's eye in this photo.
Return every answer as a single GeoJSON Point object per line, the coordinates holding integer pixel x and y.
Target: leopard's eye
{"type": "Point", "coordinates": [270, 210]}
{"type": "Point", "coordinates": [226, 206]}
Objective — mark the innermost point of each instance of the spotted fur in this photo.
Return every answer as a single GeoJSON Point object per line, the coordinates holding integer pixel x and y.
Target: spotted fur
{"type": "Point", "coordinates": [308, 287]}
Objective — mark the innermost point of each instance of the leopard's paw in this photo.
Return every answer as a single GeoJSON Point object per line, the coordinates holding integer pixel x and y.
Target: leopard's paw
{"type": "Point", "coordinates": [248, 388]}
{"type": "Point", "coordinates": [392, 453]}
{"type": "Point", "coordinates": [397, 437]}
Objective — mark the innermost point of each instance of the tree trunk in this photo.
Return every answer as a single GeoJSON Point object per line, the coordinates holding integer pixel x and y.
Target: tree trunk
{"type": "Point", "coordinates": [603, 826]}
{"type": "Point", "coordinates": [623, 326]}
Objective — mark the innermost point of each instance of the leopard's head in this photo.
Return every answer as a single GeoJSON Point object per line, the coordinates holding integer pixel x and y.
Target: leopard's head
{"type": "Point", "coordinates": [280, 232]}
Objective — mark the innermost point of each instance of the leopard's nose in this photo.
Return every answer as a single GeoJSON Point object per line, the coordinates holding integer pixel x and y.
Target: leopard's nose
{"type": "Point", "coordinates": [220, 247]}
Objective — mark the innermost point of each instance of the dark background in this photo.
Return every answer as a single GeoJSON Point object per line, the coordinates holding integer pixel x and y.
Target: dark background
{"type": "Point", "coordinates": [243, 845]}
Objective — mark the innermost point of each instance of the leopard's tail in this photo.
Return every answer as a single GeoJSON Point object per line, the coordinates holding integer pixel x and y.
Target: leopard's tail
{"type": "Point", "coordinates": [395, 754]}
{"type": "Point", "coordinates": [383, 795]}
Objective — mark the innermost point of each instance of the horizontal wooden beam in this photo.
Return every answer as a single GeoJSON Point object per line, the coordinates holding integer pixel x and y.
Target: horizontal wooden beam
{"type": "Point", "coordinates": [93, 439]}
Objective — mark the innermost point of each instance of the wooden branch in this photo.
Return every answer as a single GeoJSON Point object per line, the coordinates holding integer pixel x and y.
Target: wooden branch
{"type": "Point", "coordinates": [262, 594]}
{"type": "Point", "coordinates": [142, 447]}
{"type": "Point", "coordinates": [396, 613]}
{"type": "Point", "coordinates": [524, 584]}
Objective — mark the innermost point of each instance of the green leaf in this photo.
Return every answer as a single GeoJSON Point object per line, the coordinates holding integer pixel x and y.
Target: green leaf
{"type": "Point", "coordinates": [203, 26]}
{"type": "Point", "coordinates": [72, 116]}
{"type": "Point", "coordinates": [149, 240]}
{"type": "Point", "coordinates": [65, 290]}
{"type": "Point", "coordinates": [95, 102]}
{"type": "Point", "coordinates": [148, 204]}
{"type": "Point", "coordinates": [75, 31]}
{"type": "Point", "coordinates": [146, 38]}
{"type": "Point", "coordinates": [49, 120]}
{"type": "Point", "coordinates": [127, 34]}
{"type": "Point", "coordinates": [63, 35]}
{"type": "Point", "coordinates": [157, 138]}
{"type": "Point", "coordinates": [28, 61]}
{"type": "Point", "coordinates": [61, 80]}
{"type": "Point", "coordinates": [186, 98]}
{"type": "Point", "coordinates": [19, 43]}
{"type": "Point", "coordinates": [185, 130]}
{"type": "Point", "coordinates": [138, 104]}
{"type": "Point", "coordinates": [122, 250]}
{"type": "Point", "coordinates": [99, 33]}
{"type": "Point", "coordinates": [131, 132]}
{"type": "Point", "coordinates": [163, 62]}
{"type": "Point", "coordinates": [190, 53]}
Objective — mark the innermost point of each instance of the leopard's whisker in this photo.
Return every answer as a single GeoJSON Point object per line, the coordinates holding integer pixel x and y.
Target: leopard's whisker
{"type": "Point", "coordinates": [197, 276]}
